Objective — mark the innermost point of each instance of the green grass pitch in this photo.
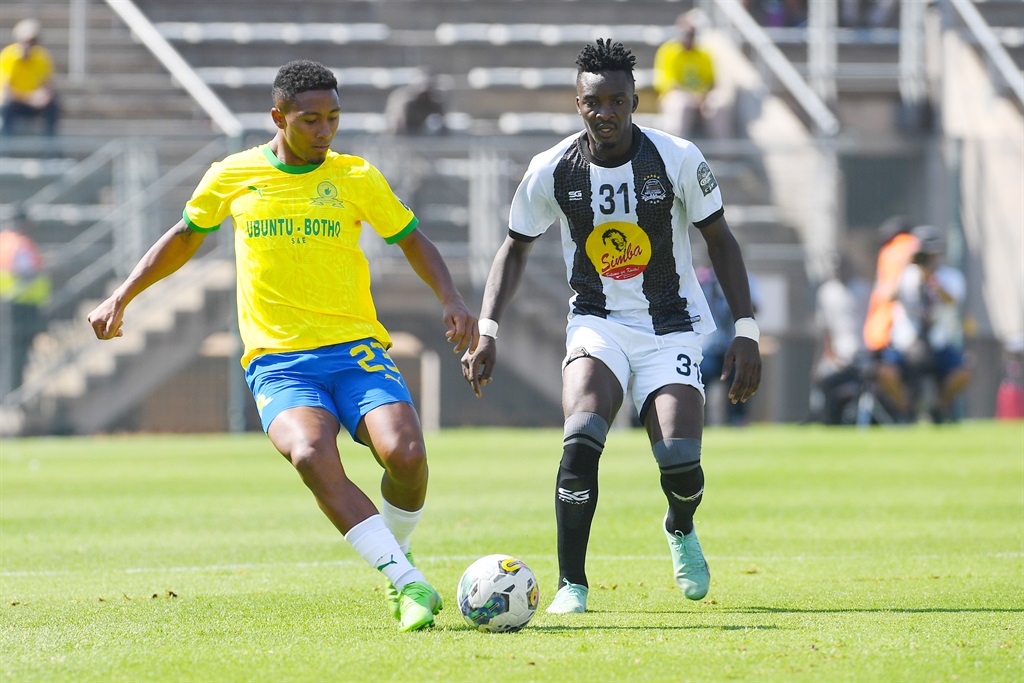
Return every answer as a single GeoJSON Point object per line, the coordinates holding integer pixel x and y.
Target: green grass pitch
{"type": "Point", "coordinates": [836, 555]}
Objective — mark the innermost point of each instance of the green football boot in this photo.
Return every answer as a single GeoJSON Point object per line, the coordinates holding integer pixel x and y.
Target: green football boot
{"type": "Point", "coordinates": [688, 563]}
{"type": "Point", "coordinates": [418, 602]}
{"type": "Point", "coordinates": [391, 593]}
{"type": "Point", "coordinates": [570, 599]}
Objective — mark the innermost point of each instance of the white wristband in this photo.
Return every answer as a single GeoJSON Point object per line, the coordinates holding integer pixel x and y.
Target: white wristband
{"type": "Point", "coordinates": [488, 328]}
{"type": "Point", "coordinates": [747, 327]}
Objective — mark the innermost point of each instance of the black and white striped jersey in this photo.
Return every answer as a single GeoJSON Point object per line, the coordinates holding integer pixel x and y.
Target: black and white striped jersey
{"type": "Point", "coordinates": [624, 228]}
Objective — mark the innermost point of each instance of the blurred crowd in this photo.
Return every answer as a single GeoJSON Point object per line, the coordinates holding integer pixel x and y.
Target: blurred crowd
{"type": "Point", "coordinates": [852, 13]}
{"type": "Point", "coordinates": [894, 348]}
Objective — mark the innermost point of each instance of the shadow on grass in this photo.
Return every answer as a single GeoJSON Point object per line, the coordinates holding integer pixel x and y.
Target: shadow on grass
{"type": "Point", "coordinates": [874, 610]}
{"type": "Point", "coordinates": [568, 628]}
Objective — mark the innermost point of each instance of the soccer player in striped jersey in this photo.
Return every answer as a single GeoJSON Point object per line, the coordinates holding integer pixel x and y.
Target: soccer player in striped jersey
{"type": "Point", "coordinates": [624, 197]}
{"type": "Point", "coordinates": [315, 353]}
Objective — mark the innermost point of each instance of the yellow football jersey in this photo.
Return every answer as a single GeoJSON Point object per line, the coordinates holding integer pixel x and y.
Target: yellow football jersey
{"type": "Point", "coordinates": [303, 281]}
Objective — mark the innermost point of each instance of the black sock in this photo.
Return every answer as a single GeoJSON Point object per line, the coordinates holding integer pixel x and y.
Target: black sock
{"type": "Point", "coordinates": [684, 491]}
{"type": "Point", "coordinates": [576, 493]}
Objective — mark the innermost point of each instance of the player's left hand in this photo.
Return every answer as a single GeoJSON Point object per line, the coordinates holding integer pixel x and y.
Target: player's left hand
{"type": "Point", "coordinates": [477, 365]}
{"type": "Point", "coordinates": [461, 327]}
{"type": "Point", "coordinates": [744, 357]}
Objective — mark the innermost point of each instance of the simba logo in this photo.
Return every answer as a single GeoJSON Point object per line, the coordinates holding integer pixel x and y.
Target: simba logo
{"type": "Point", "coordinates": [573, 497]}
{"type": "Point", "coordinates": [619, 250]}
{"type": "Point", "coordinates": [575, 195]}
{"type": "Point", "coordinates": [706, 178]}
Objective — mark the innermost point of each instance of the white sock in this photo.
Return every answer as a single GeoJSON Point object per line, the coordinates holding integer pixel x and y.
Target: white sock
{"type": "Point", "coordinates": [375, 544]}
{"type": "Point", "coordinates": [401, 522]}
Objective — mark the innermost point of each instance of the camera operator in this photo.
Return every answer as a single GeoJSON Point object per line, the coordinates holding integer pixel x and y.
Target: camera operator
{"type": "Point", "coordinates": [927, 332]}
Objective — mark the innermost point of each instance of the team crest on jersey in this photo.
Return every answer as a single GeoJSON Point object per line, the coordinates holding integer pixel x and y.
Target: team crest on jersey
{"type": "Point", "coordinates": [706, 178]}
{"type": "Point", "coordinates": [653, 190]}
{"type": "Point", "coordinates": [327, 195]}
{"type": "Point", "coordinates": [619, 250]}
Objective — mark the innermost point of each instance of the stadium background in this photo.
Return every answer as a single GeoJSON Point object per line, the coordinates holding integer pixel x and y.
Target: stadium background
{"type": "Point", "coordinates": [836, 129]}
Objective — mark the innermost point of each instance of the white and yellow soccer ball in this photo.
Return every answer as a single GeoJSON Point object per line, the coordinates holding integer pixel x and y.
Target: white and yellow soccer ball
{"type": "Point", "coordinates": [498, 594]}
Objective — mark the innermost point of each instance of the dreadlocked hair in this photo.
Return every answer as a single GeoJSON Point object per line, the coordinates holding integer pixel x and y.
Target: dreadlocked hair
{"type": "Point", "coordinates": [300, 76]}
{"type": "Point", "coordinates": [604, 55]}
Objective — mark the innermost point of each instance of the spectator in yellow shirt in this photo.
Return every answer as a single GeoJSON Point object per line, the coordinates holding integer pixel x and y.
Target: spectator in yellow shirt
{"type": "Point", "coordinates": [26, 89]}
{"type": "Point", "coordinates": [684, 78]}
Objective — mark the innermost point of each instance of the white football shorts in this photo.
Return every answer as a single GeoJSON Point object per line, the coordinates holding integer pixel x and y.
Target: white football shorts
{"type": "Point", "coordinates": [654, 361]}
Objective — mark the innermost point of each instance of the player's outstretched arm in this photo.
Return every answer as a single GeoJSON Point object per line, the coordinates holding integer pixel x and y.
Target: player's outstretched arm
{"type": "Point", "coordinates": [502, 281]}
{"type": "Point", "coordinates": [174, 248]}
{"type": "Point", "coordinates": [743, 355]}
{"type": "Point", "coordinates": [424, 258]}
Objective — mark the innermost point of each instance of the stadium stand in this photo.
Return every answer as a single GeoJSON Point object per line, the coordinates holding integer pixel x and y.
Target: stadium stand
{"type": "Point", "coordinates": [510, 93]}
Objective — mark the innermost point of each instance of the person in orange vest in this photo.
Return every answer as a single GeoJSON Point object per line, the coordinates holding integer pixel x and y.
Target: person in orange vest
{"type": "Point", "coordinates": [24, 289]}
{"type": "Point", "coordinates": [897, 250]}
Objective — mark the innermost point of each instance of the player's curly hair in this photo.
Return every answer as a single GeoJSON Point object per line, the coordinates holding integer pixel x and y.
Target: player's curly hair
{"type": "Point", "coordinates": [605, 55]}
{"type": "Point", "coordinates": [301, 76]}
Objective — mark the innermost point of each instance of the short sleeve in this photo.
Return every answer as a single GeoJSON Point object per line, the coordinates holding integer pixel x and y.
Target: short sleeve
{"type": "Point", "coordinates": [533, 206]}
{"type": "Point", "coordinates": [209, 205]}
{"type": "Point", "coordinates": [388, 215]}
{"type": "Point", "coordinates": [699, 187]}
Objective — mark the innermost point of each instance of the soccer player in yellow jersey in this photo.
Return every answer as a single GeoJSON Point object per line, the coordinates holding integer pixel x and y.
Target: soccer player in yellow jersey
{"type": "Point", "coordinates": [315, 354]}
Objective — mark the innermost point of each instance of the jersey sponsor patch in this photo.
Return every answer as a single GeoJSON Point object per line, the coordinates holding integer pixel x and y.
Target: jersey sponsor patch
{"type": "Point", "coordinates": [706, 178]}
{"type": "Point", "coordinates": [619, 250]}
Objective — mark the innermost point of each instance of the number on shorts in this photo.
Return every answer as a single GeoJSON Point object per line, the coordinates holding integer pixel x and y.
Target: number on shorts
{"type": "Point", "coordinates": [687, 366]}
{"type": "Point", "coordinates": [368, 355]}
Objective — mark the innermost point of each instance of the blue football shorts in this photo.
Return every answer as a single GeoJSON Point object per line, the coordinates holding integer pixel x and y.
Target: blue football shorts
{"type": "Point", "coordinates": [348, 380]}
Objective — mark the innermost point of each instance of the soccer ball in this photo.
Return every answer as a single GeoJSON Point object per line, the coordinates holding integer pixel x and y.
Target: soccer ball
{"type": "Point", "coordinates": [498, 594]}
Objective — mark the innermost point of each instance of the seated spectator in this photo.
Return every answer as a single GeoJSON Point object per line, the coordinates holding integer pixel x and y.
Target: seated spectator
{"type": "Point", "coordinates": [841, 306]}
{"type": "Point", "coordinates": [26, 88]}
{"type": "Point", "coordinates": [684, 78]}
{"type": "Point", "coordinates": [417, 108]}
{"type": "Point", "coordinates": [927, 331]}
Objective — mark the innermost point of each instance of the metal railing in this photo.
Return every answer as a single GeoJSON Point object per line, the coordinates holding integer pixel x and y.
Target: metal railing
{"type": "Point", "coordinates": [148, 34]}
{"type": "Point", "coordinates": [93, 246]}
{"type": "Point", "coordinates": [997, 55]}
{"type": "Point", "coordinates": [735, 18]}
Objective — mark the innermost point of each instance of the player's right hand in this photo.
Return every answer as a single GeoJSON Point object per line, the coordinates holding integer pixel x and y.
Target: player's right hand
{"type": "Point", "coordinates": [106, 319]}
{"type": "Point", "coordinates": [478, 365]}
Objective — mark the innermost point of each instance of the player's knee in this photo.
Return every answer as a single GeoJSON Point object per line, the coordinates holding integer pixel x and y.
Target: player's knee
{"type": "Point", "coordinates": [312, 458]}
{"type": "Point", "coordinates": [583, 442]}
{"type": "Point", "coordinates": [406, 462]}
{"type": "Point", "coordinates": [677, 456]}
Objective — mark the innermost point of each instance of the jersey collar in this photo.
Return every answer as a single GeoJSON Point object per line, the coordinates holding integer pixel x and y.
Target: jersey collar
{"type": "Point", "coordinates": [584, 146]}
{"type": "Point", "coordinates": [281, 166]}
